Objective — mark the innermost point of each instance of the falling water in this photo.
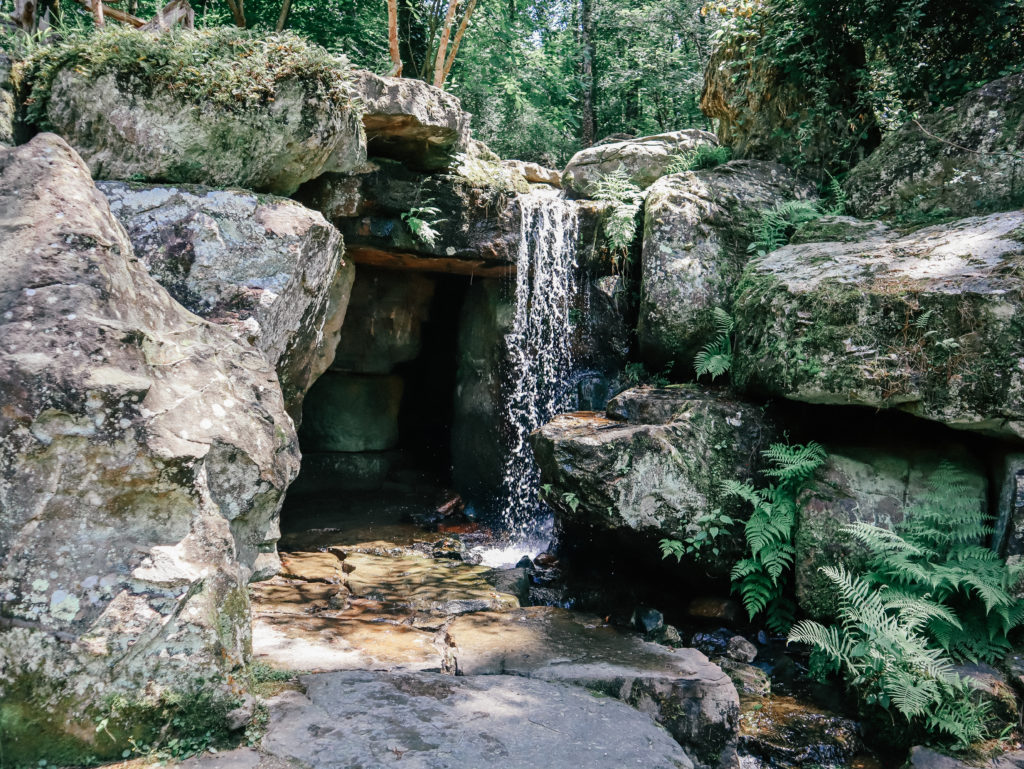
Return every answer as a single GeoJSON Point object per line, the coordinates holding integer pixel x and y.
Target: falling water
{"type": "Point", "coordinates": [539, 347]}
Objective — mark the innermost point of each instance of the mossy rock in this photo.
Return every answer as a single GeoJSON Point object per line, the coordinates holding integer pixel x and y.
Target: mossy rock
{"type": "Point", "coordinates": [931, 323]}
{"type": "Point", "coordinates": [223, 107]}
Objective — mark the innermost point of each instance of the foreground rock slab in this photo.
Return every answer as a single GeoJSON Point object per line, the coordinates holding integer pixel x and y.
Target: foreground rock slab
{"type": "Point", "coordinates": [145, 454]}
{"type": "Point", "coordinates": [432, 721]}
{"type": "Point", "coordinates": [928, 322]}
{"type": "Point", "coordinates": [268, 268]}
{"type": "Point", "coordinates": [693, 698]}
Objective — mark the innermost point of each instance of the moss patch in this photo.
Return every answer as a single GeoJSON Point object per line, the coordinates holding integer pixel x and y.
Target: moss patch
{"type": "Point", "coordinates": [235, 70]}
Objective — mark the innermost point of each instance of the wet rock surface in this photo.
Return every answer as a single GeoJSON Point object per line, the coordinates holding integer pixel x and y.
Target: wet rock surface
{"type": "Point", "coordinates": [781, 733]}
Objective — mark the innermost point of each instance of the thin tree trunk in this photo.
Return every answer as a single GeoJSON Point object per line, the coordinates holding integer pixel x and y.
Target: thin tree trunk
{"type": "Point", "coordinates": [282, 20]}
{"type": "Point", "coordinates": [237, 12]}
{"type": "Point", "coordinates": [97, 13]}
{"type": "Point", "coordinates": [587, 44]}
{"type": "Point", "coordinates": [396, 56]}
{"type": "Point", "coordinates": [458, 39]}
{"type": "Point", "coordinates": [442, 46]}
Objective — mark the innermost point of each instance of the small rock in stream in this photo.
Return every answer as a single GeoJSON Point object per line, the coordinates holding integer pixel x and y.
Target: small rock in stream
{"type": "Point", "coordinates": [647, 620]}
{"type": "Point", "coordinates": [740, 649]}
{"type": "Point", "coordinates": [722, 609]}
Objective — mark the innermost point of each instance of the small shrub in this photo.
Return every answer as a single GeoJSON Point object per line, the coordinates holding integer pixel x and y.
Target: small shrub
{"type": "Point", "coordinates": [421, 221]}
{"type": "Point", "coordinates": [703, 543]}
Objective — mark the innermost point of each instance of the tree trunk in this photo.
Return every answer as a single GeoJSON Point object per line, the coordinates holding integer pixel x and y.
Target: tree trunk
{"type": "Point", "coordinates": [587, 71]}
{"type": "Point", "coordinates": [97, 13]}
{"type": "Point", "coordinates": [237, 12]}
{"type": "Point", "coordinates": [396, 56]}
{"type": "Point", "coordinates": [282, 20]}
{"type": "Point", "coordinates": [442, 46]}
{"type": "Point", "coordinates": [458, 39]}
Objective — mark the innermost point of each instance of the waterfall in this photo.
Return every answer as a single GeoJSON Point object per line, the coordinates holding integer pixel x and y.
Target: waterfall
{"type": "Point", "coordinates": [539, 383]}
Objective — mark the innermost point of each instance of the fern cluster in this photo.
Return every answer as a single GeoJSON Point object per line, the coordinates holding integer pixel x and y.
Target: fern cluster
{"type": "Point", "coordinates": [760, 579]}
{"type": "Point", "coordinates": [625, 197]}
{"type": "Point", "coordinates": [882, 649]}
{"type": "Point", "coordinates": [776, 225]}
{"type": "Point", "coordinates": [421, 221]}
{"type": "Point", "coordinates": [715, 358]}
{"type": "Point", "coordinates": [937, 555]}
{"type": "Point", "coordinates": [702, 157]}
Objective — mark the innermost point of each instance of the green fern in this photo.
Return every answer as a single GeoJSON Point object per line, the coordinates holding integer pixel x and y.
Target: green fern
{"type": "Point", "coordinates": [937, 553]}
{"type": "Point", "coordinates": [421, 221]}
{"type": "Point", "coordinates": [775, 226]}
{"type": "Point", "coordinates": [702, 157]}
{"type": "Point", "coordinates": [833, 202]}
{"type": "Point", "coordinates": [883, 652]}
{"type": "Point", "coordinates": [715, 358]}
{"type": "Point", "coordinates": [620, 225]}
{"type": "Point", "coordinates": [760, 579]}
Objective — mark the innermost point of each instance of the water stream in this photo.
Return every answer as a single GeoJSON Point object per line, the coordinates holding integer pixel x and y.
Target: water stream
{"type": "Point", "coordinates": [539, 383]}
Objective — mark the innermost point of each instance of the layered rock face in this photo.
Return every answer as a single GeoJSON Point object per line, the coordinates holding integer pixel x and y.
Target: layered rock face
{"type": "Point", "coordinates": [145, 454]}
{"type": "Point", "coordinates": [967, 159]}
{"type": "Point", "coordinates": [655, 463]}
{"type": "Point", "coordinates": [408, 120]}
{"type": "Point", "coordinates": [696, 229]}
{"type": "Point", "coordinates": [644, 160]}
{"type": "Point", "coordinates": [267, 268]}
{"type": "Point", "coordinates": [929, 323]}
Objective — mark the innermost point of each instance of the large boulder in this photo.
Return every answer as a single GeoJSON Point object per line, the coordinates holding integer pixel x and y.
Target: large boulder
{"type": "Point", "coordinates": [762, 112]}
{"type": "Point", "coordinates": [202, 116]}
{"type": "Point", "coordinates": [644, 160]}
{"type": "Point", "coordinates": [696, 229]}
{"type": "Point", "coordinates": [967, 159]}
{"type": "Point", "coordinates": [873, 484]}
{"type": "Point", "coordinates": [145, 455]}
{"type": "Point", "coordinates": [928, 322]}
{"type": "Point", "coordinates": [269, 269]}
{"type": "Point", "coordinates": [655, 464]}
{"type": "Point", "coordinates": [409, 120]}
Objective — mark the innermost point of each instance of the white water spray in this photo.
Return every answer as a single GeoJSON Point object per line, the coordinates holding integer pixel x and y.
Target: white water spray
{"type": "Point", "coordinates": [539, 348]}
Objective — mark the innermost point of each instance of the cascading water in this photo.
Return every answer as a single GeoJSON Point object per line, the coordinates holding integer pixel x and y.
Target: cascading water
{"type": "Point", "coordinates": [540, 382]}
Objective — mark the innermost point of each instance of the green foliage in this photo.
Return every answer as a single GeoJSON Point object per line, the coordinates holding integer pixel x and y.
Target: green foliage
{"type": "Point", "coordinates": [715, 358]}
{"type": "Point", "coordinates": [937, 556]}
{"type": "Point", "coordinates": [776, 225]}
{"type": "Point", "coordinates": [569, 498]}
{"type": "Point", "coordinates": [704, 542]}
{"type": "Point", "coordinates": [636, 374]}
{"type": "Point", "coordinates": [702, 157]}
{"type": "Point", "coordinates": [233, 69]}
{"type": "Point", "coordinates": [421, 221]}
{"type": "Point", "coordinates": [760, 579]}
{"type": "Point", "coordinates": [833, 201]}
{"type": "Point", "coordinates": [881, 649]}
{"type": "Point", "coordinates": [620, 224]}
